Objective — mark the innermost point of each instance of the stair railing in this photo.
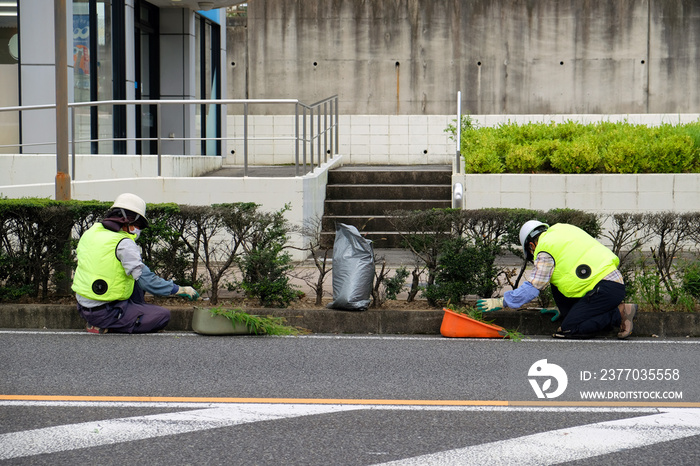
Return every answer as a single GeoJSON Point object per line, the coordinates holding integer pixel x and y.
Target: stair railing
{"type": "Point", "coordinates": [316, 128]}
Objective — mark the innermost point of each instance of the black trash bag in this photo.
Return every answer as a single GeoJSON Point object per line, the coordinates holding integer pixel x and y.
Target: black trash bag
{"type": "Point", "coordinates": [353, 270]}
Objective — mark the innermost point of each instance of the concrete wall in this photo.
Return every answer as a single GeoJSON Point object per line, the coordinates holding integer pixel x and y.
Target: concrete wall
{"type": "Point", "coordinates": [39, 168]}
{"type": "Point", "coordinates": [404, 57]}
{"type": "Point", "coordinates": [305, 194]}
{"type": "Point", "coordinates": [602, 194]}
{"type": "Point", "coordinates": [362, 139]}
{"type": "Point", "coordinates": [394, 139]}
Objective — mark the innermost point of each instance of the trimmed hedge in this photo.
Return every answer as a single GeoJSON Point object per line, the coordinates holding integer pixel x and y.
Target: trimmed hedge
{"type": "Point", "coordinates": [38, 238]}
{"type": "Point", "coordinates": [456, 248]}
{"type": "Point", "coordinates": [571, 147]}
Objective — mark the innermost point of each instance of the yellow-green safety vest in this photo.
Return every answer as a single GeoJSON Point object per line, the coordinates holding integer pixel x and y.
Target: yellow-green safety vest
{"type": "Point", "coordinates": [100, 275]}
{"type": "Point", "coordinates": [580, 261]}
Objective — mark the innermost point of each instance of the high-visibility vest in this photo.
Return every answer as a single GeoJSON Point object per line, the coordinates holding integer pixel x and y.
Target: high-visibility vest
{"type": "Point", "coordinates": [580, 261]}
{"type": "Point", "coordinates": [100, 275]}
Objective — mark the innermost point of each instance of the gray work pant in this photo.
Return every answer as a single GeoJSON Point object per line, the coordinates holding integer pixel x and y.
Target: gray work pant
{"type": "Point", "coordinates": [133, 315]}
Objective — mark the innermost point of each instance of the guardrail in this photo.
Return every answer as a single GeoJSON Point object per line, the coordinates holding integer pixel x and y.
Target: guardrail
{"type": "Point", "coordinates": [313, 142]}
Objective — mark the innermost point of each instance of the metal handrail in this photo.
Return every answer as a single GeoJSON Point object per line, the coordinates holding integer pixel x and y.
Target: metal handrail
{"type": "Point", "coordinates": [328, 131]}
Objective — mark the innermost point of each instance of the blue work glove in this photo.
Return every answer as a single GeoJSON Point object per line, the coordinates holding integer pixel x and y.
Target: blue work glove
{"type": "Point", "coordinates": [489, 304]}
{"type": "Point", "coordinates": [187, 292]}
{"type": "Point", "coordinates": [551, 311]}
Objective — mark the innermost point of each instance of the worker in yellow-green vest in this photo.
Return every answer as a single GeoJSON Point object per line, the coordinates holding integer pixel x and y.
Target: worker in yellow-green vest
{"type": "Point", "coordinates": [586, 284]}
{"type": "Point", "coordinates": [111, 278]}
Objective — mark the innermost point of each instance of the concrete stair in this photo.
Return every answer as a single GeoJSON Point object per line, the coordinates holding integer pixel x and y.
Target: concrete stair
{"type": "Point", "coordinates": [362, 195]}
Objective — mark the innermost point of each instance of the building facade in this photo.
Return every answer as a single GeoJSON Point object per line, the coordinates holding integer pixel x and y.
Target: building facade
{"type": "Point", "coordinates": [117, 50]}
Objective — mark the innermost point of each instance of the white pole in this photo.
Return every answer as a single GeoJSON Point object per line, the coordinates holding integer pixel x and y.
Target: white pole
{"type": "Point", "coordinates": [458, 158]}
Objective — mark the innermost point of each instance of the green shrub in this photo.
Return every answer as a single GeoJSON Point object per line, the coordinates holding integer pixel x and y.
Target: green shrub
{"type": "Point", "coordinates": [397, 283]}
{"type": "Point", "coordinates": [36, 246]}
{"type": "Point", "coordinates": [163, 248]}
{"type": "Point", "coordinates": [621, 156]}
{"type": "Point", "coordinates": [579, 156]}
{"type": "Point", "coordinates": [530, 158]}
{"type": "Point", "coordinates": [648, 289]}
{"type": "Point", "coordinates": [671, 153]}
{"type": "Point", "coordinates": [571, 147]}
{"type": "Point", "coordinates": [485, 151]}
{"type": "Point", "coordinates": [684, 302]}
{"type": "Point", "coordinates": [690, 279]}
{"type": "Point", "coordinates": [463, 269]}
{"type": "Point", "coordinates": [265, 264]}
{"type": "Point", "coordinates": [587, 221]}
{"type": "Point", "coordinates": [568, 131]}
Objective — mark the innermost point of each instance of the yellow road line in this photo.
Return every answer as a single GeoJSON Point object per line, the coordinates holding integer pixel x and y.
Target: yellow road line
{"type": "Point", "coordinates": [345, 401]}
{"type": "Point", "coordinates": [181, 399]}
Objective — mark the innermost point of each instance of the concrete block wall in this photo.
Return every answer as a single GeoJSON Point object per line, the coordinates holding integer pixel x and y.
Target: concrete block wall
{"type": "Point", "coordinates": [363, 140]}
{"type": "Point", "coordinates": [271, 139]}
{"type": "Point", "coordinates": [396, 139]}
{"type": "Point", "coordinates": [604, 194]}
{"type": "Point", "coordinates": [393, 139]}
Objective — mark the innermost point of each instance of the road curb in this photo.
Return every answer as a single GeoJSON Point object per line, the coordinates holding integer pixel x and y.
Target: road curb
{"type": "Point", "coordinates": [372, 321]}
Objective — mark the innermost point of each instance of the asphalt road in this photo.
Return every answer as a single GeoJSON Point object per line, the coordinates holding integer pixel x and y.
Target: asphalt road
{"type": "Point", "coordinates": [181, 398]}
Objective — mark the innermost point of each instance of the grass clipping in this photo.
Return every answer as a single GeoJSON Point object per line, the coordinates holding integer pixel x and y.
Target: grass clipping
{"type": "Point", "coordinates": [477, 315]}
{"type": "Point", "coordinates": [258, 325]}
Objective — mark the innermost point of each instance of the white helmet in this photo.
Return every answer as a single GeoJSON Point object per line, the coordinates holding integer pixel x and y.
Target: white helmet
{"type": "Point", "coordinates": [527, 230]}
{"type": "Point", "coordinates": [132, 203]}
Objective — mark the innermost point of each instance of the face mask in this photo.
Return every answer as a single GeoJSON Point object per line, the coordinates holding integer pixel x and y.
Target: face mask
{"type": "Point", "coordinates": [134, 231]}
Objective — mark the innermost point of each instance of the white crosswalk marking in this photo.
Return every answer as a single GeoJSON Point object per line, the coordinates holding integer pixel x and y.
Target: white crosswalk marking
{"type": "Point", "coordinates": [556, 446]}
{"type": "Point", "coordinates": [105, 432]}
{"type": "Point", "coordinates": [570, 444]}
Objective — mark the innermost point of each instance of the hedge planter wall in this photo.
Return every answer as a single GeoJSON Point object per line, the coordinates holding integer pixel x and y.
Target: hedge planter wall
{"type": "Point", "coordinates": [598, 193]}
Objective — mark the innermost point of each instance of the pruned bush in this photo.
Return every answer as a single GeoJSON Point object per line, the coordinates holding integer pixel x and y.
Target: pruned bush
{"type": "Point", "coordinates": [572, 147]}
{"type": "Point", "coordinates": [690, 278]}
{"type": "Point", "coordinates": [36, 247]}
{"type": "Point", "coordinates": [266, 264]}
{"type": "Point", "coordinates": [464, 268]}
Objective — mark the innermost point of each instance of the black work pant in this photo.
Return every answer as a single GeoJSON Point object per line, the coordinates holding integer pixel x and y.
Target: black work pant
{"type": "Point", "coordinates": [594, 312]}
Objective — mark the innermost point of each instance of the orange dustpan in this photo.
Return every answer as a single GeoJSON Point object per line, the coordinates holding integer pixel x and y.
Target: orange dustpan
{"type": "Point", "coordinates": [460, 326]}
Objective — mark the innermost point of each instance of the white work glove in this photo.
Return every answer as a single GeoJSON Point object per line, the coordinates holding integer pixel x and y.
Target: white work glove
{"type": "Point", "coordinates": [489, 304]}
{"type": "Point", "coordinates": [187, 292]}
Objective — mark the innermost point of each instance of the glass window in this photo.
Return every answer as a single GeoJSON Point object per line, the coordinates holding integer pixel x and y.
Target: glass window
{"type": "Point", "coordinates": [199, 44]}
{"type": "Point", "coordinates": [147, 73]}
{"type": "Point", "coordinates": [9, 77]}
{"type": "Point", "coordinates": [81, 72]}
{"type": "Point", "coordinates": [208, 120]}
{"type": "Point", "coordinates": [104, 74]}
{"type": "Point", "coordinates": [92, 74]}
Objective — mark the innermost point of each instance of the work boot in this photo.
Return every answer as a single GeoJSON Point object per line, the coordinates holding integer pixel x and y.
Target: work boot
{"type": "Point", "coordinates": [627, 313]}
{"type": "Point", "coordinates": [93, 329]}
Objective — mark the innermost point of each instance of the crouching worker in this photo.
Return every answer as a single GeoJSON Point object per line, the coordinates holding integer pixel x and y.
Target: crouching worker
{"type": "Point", "coordinates": [111, 278]}
{"type": "Point", "coordinates": [586, 285]}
